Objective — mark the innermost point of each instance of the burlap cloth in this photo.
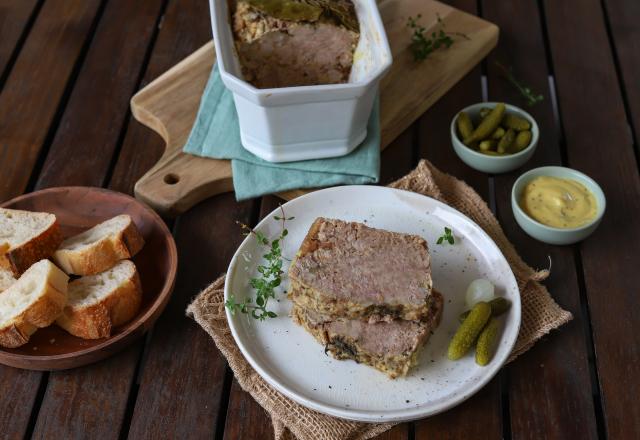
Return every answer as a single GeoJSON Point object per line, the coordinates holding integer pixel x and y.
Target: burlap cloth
{"type": "Point", "coordinates": [540, 314]}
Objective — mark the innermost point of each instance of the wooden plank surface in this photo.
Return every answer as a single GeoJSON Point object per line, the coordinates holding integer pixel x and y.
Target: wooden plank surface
{"type": "Point", "coordinates": [549, 387]}
{"type": "Point", "coordinates": [625, 33]}
{"type": "Point", "coordinates": [599, 144]}
{"type": "Point", "coordinates": [14, 25]}
{"type": "Point", "coordinates": [36, 84]}
{"type": "Point", "coordinates": [89, 130]}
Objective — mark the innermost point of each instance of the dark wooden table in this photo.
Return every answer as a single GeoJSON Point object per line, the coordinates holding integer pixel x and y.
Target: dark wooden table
{"type": "Point", "coordinates": [67, 71]}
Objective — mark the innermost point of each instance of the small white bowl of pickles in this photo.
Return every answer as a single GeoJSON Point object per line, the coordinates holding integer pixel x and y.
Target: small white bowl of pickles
{"type": "Point", "coordinates": [557, 205]}
{"type": "Point", "coordinates": [493, 137]}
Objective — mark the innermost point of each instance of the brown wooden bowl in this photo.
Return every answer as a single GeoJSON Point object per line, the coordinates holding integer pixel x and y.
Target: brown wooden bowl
{"type": "Point", "coordinates": [80, 208]}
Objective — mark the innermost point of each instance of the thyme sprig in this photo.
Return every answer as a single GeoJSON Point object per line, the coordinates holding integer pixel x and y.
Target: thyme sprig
{"type": "Point", "coordinates": [270, 274]}
{"type": "Point", "coordinates": [447, 236]}
{"type": "Point", "coordinates": [423, 44]}
{"type": "Point", "coordinates": [529, 95]}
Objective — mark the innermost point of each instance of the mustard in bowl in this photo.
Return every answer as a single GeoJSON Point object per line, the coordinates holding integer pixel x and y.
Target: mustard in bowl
{"type": "Point", "coordinates": [557, 205]}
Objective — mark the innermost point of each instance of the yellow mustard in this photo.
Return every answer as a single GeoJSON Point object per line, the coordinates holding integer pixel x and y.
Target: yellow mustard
{"type": "Point", "coordinates": [560, 203]}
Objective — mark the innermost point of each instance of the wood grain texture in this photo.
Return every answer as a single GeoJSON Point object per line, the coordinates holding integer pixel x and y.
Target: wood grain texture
{"type": "Point", "coordinates": [169, 104]}
{"type": "Point", "coordinates": [182, 382]}
{"type": "Point", "coordinates": [479, 419]}
{"type": "Point", "coordinates": [599, 144]}
{"type": "Point", "coordinates": [89, 131]}
{"type": "Point", "coordinates": [185, 28]}
{"type": "Point", "coordinates": [623, 24]}
{"type": "Point", "coordinates": [77, 405]}
{"type": "Point", "coordinates": [549, 387]}
{"type": "Point", "coordinates": [14, 16]}
{"type": "Point", "coordinates": [32, 92]}
{"type": "Point", "coordinates": [17, 386]}
{"type": "Point", "coordinates": [245, 417]}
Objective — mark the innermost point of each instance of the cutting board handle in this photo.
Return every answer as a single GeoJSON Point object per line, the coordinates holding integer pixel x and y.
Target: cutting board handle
{"type": "Point", "coordinates": [168, 106]}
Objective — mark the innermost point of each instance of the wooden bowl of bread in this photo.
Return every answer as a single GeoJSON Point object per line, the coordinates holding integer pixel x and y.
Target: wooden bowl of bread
{"type": "Point", "coordinates": [83, 273]}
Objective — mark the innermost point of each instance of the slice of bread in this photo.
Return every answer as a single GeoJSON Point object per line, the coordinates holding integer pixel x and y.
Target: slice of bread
{"type": "Point", "coordinates": [26, 237]}
{"type": "Point", "coordinates": [97, 303]}
{"type": "Point", "coordinates": [6, 279]}
{"type": "Point", "coordinates": [34, 301]}
{"type": "Point", "coordinates": [100, 248]}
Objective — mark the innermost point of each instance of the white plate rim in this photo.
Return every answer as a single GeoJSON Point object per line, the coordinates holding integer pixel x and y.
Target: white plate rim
{"type": "Point", "coordinates": [350, 413]}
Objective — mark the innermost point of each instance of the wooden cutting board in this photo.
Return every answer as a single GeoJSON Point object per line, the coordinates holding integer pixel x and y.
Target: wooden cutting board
{"type": "Point", "coordinates": [169, 104]}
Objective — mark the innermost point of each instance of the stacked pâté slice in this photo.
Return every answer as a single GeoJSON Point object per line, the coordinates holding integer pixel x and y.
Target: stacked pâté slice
{"type": "Point", "coordinates": [35, 292]}
{"type": "Point", "coordinates": [365, 293]}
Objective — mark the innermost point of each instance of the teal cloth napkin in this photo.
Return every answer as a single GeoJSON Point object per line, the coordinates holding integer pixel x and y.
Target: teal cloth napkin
{"type": "Point", "coordinates": [216, 134]}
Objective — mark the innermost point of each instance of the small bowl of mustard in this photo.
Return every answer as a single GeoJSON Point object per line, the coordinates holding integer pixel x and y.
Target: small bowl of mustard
{"type": "Point", "coordinates": [557, 205]}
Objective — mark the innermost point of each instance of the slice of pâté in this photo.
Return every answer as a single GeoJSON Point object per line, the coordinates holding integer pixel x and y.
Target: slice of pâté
{"type": "Point", "coordinates": [349, 270]}
{"type": "Point", "coordinates": [391, 347]}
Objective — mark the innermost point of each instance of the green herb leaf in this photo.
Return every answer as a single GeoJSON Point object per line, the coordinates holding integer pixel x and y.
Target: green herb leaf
{"type": "Point", "coordinates": [530, 97]}
{"type": "Point", "coordinates": [422, 45]}
{"type": "Point", "coordinates": [447, 236]}
{"type": "Point", "coordinates": [270, 275]}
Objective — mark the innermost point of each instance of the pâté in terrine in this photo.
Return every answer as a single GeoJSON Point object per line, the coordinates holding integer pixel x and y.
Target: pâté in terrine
{"type": "Point", "coordinates": [286, 43]}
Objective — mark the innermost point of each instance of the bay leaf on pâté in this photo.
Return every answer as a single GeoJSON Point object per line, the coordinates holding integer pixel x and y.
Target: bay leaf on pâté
{"type": "Point", "coordinates": [341, 10]}
{"type": "Point", "coordinates": [291, 10]}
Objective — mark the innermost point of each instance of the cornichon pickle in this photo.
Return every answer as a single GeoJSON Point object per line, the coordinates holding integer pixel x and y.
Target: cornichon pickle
{"type": "Point", "coordinates": [488, 124]}
{"type": "Point", "coordinates": [484, 111]}
{"type": "Point", "coordinates": [522, 140]}
{"type": "Point", "coordinates": [498, 133]}
{"type": "Point", "coordinates": [465, 126]}
{"type": "Point", "coordinates": [498, 305]}
{"type": "Point", "coordinates": [516, 122]}
{"type": "Point", "coordinates": [487, 342]}
{"type": "Point", "coordinates": [507, 140]}
{"type": "Point", "coordinates": [469, 330]}
{"type": "Point", "coordinates": [487, 145]}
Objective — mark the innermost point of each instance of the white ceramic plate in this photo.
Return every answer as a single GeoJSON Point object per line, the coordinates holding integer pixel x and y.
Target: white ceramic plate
{"type": "Point", "coordinates": [294, 363]}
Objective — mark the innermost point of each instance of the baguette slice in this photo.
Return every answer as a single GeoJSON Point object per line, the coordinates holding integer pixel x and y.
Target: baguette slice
{"type": "Point", "coordinates": [26, 237]}
{"type": "Point", "coordinates": [6, 279]}
{"type": "Point", "coordinates": [34, 301]}
{"type": "Point", "coordinates": [97, 303]}
{"type": "Point", "coordinates": [100, 248]}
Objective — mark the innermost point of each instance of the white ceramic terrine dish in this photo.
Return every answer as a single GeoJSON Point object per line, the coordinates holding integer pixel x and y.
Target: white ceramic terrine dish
{"type": "Point", "coordinates": [307, 122]}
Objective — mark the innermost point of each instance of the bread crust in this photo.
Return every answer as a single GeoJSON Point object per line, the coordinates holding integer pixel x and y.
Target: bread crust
{"type": "Point", "coordinates": [42, 313]}
{"type": "Point", "coordinates": [21, 258]}
{"type": "Point", "coordinates": [97, 320]}
{"type": "Point", "coordinates": [101, 255]}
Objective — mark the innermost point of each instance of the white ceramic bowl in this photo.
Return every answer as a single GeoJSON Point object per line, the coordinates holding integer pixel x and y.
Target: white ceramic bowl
{"type": "Point", "coordinates": [493, 164]}
{"type": "Point", "coordinates": [308, 122]}
{"type": "Point", "coordinates": [546, 233]}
